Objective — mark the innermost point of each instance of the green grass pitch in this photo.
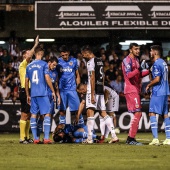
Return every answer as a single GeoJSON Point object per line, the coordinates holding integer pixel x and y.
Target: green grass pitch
{"type": "Point", "coordinates": [14, 156]}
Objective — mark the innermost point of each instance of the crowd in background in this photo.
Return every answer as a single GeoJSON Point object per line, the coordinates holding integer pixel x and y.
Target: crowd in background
{"type": "Point", "coordinates": [112, 59]}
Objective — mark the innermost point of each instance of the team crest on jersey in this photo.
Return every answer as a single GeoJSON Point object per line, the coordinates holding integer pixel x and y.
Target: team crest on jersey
{"type": "Point", "coordinates": [54, 74]}
{"type": "Point", "coordinates": [128, 66]}
{"type": "Point", "coordinates": [70, 63]}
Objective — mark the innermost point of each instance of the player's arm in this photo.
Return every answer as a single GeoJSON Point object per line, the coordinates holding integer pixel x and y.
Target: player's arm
{"type": "Point", "coordinates": [57, 93]}
{"type": "Point", "coordinates": [48, 80]}
{"type": "Point", "coordinates": [77, 77]}
{"type": "Point", "coordinates": [27, 90]}
{"type": "Point", "coordinates": [31, 52]}
{"type": "Point", "coordinates": [92, 82]}
{"type": "Point", "coordinates": [106, 95]}
{"type": "Point", "coordinates": [80, 110]}
{"type": "Point", "coordinates": [155, 81]}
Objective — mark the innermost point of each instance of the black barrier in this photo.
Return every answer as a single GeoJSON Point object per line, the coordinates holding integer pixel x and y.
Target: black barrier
{"type": "Point", "coordinates": [10, 116]}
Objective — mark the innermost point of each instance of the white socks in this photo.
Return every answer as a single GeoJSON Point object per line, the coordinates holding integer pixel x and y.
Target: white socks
{"type": "Point", "coordinates": [90, 127]}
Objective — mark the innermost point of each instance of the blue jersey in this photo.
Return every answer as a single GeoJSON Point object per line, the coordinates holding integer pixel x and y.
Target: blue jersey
{"type": "Point", "coordinates": [36, 71]}
{"type": "Point", "coordinates": [53, 76]}
{"type": "Point", "coordinates": [67, 73]}
{"type": "Point", "coordinates": [160, 69]}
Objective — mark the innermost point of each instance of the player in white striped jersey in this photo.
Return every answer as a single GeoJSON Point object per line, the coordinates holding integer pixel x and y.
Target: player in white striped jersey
{"type": "Point", "coordinates": [95, 94]}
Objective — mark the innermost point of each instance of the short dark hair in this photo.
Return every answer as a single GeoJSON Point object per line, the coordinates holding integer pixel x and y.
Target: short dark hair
{"type": "Point", "coordinates": [133, 45]}
{"type": "Point", "coordinates": [24, 51]}
{"type": "Point", "coordinates": [86, 48]}
{"type": "Point", "coordinates": [52, 59]}
{"type": "Point", "coordinates": [38, 49]}
{"type": "Point", "coordinates": [64, 48]}
{"type": "Point", "coordinates": [157, 48]}
{"type": "Point", "coordinates": [79, 85]}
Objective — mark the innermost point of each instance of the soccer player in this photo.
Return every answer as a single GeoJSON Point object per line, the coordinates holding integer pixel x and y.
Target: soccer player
{"type": "Point", "coordinates": [95, 94]}
{"type": "Point", "coordinates": [52, 63]}
{"type": "Point", "coordinates": [112, 106]}
{"type": "Point", "coordinates": [67, 133]}
{"type": "Point", "coordinates": [37, 73]}
{"type": "Point", "coordinates": [25, 107]}
{"type": "Point", "coordinates": [69, 78]}
{"type": "Point", "coordinates": [159, 97]}
{"type": "Point", "coordinates": [132, 72]}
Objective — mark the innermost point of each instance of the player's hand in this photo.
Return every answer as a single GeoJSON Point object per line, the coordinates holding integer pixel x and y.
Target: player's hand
{"type": "Point", "coordinates": [54, 96]}
{"type": "Point", "coordinates": [29, 100]}
{"type": "Point", "coordinates": [76, 120]}
{"type": "Point", "coordinates": [93, 101]}
{"type": "Point", "coordinates": [147, 89]}
{"type": "Point", "coordinates": [144, 65]}
{"type": "Point", "coordinates": [37, 40]}
{"type": "Point", "coordinates": [58, 101]}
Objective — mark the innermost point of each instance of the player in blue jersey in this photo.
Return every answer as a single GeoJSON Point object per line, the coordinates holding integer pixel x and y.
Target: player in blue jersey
{"type": "Point", "coordinates": [67, 133]}
{"type": "Point", "coordinates": [159, 98]}
{"type": "Point", "coordinates": [52, 63]}
{"type": "Point", "coordinates": [69, 78]}
{"type": "Point", "coordinates": [37, 73]}
{"type": "Point", "coordinates": [54, 79]}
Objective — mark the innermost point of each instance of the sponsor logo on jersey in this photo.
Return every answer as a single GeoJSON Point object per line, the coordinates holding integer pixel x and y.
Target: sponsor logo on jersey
{"type": "Point", "coordinates": [137, 105]}
{"type": "Point", "coordinates": [99, 63]}
{"type": "Point", "coordinates": [54, 74]}
{"type": "Point", "coordinates": [66, 69]}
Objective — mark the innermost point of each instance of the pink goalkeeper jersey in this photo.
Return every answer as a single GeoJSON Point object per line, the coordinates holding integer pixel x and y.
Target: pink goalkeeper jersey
{"type": "Point", "coordinates": [132, 75]}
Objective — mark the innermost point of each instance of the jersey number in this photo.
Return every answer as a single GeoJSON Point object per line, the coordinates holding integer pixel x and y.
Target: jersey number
{"type": "Point", "coordinates": [101, 72]}
{"type": "Point", "coordinates": [35, 77]}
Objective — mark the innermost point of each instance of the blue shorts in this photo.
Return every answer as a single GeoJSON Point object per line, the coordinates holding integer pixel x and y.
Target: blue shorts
{"type": "Point", "coordinates": [40, 105]}
{"type": "Point", "coordinates": [158, 105]}
{"type": "Point", "coordinates": [69, 99]}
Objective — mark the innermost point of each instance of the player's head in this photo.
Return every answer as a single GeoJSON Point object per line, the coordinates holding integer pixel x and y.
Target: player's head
{"type": "Point", "coordinates": [134, 49]}
{"type": "Point", "coordinates": [64, 52]}
{"type": "Point", "coordinates": [52, 63]}
{"type": "Point", "coordinates": [59, 133]}
{"type": "Point", "coordinates": [25, 53]}
{"type": "Point", "coordinates": [82, 88]}
{"type": "Point", "coordinates": [156, 51]}
{"type": "Point", "coordinates": [86, 52]}
{"type": "Point", "coordinates": [39, 52]}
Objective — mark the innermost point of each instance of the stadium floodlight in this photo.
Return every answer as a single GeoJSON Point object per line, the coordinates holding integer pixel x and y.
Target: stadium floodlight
{"type": "Point", "coordinates": [140, 42]}
{"type": "Point", "coordinates": [40, 40]}
{"type": "Point", "coordinates": [2, 42]}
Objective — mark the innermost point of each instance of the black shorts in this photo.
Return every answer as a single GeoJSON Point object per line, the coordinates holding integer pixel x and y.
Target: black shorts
{"type": "Point", "coordinates": [25, 107]}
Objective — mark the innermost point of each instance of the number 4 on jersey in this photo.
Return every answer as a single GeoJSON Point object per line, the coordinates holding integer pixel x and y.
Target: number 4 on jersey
{"type": "Point", "coordinates": [35, 77]}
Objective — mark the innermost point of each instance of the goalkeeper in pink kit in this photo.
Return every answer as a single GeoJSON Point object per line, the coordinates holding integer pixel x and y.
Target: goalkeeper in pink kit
{"type": "Point", "coordinates": [133, 72]}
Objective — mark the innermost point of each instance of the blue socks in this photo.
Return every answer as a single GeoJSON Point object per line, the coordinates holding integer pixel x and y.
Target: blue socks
{"type": "Point", "coordinates": [47, 127]}
{"type": "Point", "coordinates": [33, 123]}
{"type": "Point", "coordinates": [154, 126]}
{"type": "Point", "coordinates": [167, 127]}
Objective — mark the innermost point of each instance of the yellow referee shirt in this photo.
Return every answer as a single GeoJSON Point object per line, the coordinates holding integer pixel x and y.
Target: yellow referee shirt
{"type": "Point", "coordinates": [22, 72]}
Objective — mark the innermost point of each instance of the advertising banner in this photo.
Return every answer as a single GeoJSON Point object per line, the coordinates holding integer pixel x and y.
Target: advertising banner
{"type": "Point", "coordinates": [93, 15]}
{"type": "Point", "coordinates": [10, 116]}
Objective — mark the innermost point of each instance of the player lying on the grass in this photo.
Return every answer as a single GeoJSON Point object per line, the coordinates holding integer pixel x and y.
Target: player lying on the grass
{"type": "Point", "coordinates": [68, 133]}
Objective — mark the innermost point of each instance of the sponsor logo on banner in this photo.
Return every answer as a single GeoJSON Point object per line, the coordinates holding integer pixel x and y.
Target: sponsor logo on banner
{"type": "Point", "coordinates": [101, 15]}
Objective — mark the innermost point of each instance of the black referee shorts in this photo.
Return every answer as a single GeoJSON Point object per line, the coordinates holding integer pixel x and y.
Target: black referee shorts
{"type": "Point", "coordinates": [25, 107]}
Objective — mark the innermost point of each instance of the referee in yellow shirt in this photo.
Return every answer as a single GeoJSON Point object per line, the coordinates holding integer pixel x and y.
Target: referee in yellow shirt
{"type": "Point", "coordinates": [25, 107]}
